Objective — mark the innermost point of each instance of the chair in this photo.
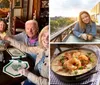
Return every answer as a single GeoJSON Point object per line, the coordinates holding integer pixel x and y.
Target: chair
{"type": "Point", "coordinates": [18, 25]}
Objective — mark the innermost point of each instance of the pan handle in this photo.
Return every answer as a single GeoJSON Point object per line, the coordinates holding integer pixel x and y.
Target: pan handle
{"type": "Point", "coordinates": [58, 47]}
{"type": "Point", "coordinates": [88, 74]}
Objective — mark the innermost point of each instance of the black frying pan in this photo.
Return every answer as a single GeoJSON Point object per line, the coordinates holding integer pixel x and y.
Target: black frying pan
{"type": "Point", "coordinates": [76, 78]}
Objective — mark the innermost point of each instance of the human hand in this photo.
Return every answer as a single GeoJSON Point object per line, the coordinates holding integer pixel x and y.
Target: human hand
{"type": "Point", "coordinates": [23, 72]}
{"type": "Point", "coordinates": [89, 36]}
{"type": "Point", "coordinates": [84, 36]}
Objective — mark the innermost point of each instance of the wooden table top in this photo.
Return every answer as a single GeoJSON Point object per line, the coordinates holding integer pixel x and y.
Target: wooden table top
{"type": "Point", "coordinates": [8, 80]}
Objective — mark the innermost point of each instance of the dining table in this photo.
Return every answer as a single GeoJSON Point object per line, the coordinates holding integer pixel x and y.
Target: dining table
{"type": "Point", "coordinates": [8, 80]}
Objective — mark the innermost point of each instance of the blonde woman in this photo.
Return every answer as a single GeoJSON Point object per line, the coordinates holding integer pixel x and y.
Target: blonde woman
{"type": "Point", "coordinates": [42, 63]}
{"type": "Point", "coordinates": [85, 28]}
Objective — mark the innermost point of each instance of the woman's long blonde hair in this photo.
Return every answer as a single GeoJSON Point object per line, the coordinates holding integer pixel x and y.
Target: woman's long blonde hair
{"type": "Point", "coordinates": [81, 23]}
{"type": "Point", "coordinates": [44, 30]}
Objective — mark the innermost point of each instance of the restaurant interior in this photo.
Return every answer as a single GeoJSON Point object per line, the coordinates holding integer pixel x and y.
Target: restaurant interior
{"type": "Point", "coordinates": [18, 12]}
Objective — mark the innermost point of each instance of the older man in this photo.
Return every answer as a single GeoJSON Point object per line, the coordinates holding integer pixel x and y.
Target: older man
{"type": "Point", "coordinates": [30, 36]}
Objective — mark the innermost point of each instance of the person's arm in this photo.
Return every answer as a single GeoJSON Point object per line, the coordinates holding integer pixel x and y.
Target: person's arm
{"type": "Point", "coordinates": [76, 31]}
{"type": "Point", "coordinates": [38, 80]}
{"type": "Point", "coordinates": [93, 30]}
{"type": "Point", "coordinates": [23, 47]}
{"type": "Point", "coordinates": [19, 37]}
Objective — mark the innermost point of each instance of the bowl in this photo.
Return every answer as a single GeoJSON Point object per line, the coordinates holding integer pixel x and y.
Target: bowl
{"type": "Point", "coordinates": [62, 76]}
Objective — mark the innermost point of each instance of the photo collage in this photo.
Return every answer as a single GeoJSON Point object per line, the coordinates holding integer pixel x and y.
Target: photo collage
{"type": "Point", "coordinates": [49, 42]}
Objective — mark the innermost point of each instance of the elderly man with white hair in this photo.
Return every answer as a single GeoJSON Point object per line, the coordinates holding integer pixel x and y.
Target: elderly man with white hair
{"type": "Point", "coordinates": [30, 36]}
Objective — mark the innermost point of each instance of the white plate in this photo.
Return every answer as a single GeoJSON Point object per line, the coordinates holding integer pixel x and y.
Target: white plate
{"type": "Point", "coordinates": [16, 53]}
{"type": "Point", "coordinates": [12, 67]}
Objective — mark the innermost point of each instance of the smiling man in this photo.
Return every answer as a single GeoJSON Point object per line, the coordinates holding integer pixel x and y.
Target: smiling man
{"type": "Point", "coordinates": [30, 36]}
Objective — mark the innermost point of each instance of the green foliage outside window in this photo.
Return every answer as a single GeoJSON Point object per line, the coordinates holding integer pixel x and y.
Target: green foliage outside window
{"type": "Point", "coordinates": [59, 22]}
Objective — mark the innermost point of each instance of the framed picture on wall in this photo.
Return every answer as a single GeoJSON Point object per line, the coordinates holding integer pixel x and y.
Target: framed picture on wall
{"type": "Point", "coordinates": [4, 8]}
{"type": "Point", "coordinates": [18, 3]}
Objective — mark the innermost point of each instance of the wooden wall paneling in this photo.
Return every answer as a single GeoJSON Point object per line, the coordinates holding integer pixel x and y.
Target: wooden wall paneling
{"type": "Point", "coordinates": [25, 9]}
{"type": "Point", "coordinates": [36, 8]}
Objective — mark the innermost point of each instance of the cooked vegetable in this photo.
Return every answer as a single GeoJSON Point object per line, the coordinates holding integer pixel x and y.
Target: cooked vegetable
{"type": "Point", "coordinates": [91, 60]}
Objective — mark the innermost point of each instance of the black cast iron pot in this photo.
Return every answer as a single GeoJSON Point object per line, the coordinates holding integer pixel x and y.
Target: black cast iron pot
{"type": "Point", "coordinates": [76, 78]}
